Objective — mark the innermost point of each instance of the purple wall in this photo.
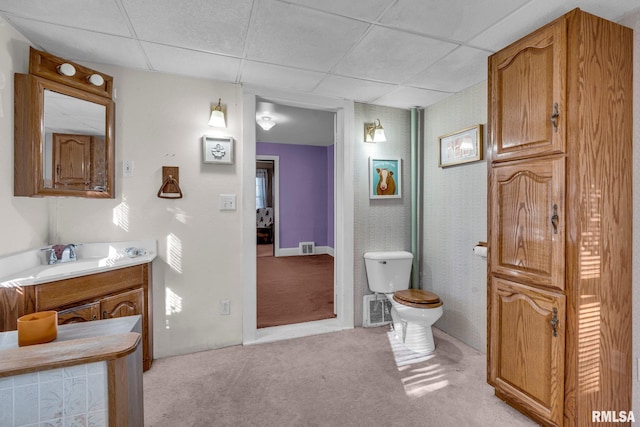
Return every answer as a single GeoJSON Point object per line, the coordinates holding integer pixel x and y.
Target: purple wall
{"type": "Point", "coordinates": [306, 192]}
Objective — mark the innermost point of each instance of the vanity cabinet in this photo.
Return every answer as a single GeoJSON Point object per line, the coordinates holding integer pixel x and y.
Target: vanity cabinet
{"type": "Point", "coordinates": [559, 220]}
{"type": "Point", "coordinates": [121, 304]}
{"type": "Point", "coordinates": [115, 293]}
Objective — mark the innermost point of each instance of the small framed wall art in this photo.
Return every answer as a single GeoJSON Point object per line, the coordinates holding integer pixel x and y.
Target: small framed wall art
{"type": "Point", "coordinates": [217, 150]}
{"type": "Point", "coordinates": [459, 147]}
{"type": "Point", "coordinates": [385, 178]}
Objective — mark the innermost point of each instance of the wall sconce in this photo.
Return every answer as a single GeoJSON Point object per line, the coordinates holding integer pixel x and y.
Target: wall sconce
{"type": "Point", "coordinates": [374, 132]}
{"type": "Point", "coordinates": [265, 122]}
{"type": "Point", "coordinates": [217, 116]}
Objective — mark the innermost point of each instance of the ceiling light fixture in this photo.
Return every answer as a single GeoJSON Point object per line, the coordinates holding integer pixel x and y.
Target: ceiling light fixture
{"type": "Point", "coordinates": [217, 116]}
{"type": "Point", "coordinates": [374, 132]}
{"type": "Point", "coordinates": [265, 122]}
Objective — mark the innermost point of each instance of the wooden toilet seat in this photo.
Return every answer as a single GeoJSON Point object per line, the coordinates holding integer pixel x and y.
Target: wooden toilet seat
{"type": "Point", "coordinates": [417, 298]}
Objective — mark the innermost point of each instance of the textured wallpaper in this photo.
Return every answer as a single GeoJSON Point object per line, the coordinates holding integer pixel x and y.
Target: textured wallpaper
{"type": "Point", "coordinates": [455, 220]}
{"type": "Point", "coordinates": [380, 225]}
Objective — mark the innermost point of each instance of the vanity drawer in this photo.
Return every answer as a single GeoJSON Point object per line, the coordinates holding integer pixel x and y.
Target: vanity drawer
{"type": "Point", "coordinates": [64, 292]}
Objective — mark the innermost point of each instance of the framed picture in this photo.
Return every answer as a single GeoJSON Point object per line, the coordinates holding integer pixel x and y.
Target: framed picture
{"type": "Point", "coordinates": [385, 178]}
{"type": "Point", "coordinates": [217, 150]}
{"type": "Point", "coordinates": [459, 147]}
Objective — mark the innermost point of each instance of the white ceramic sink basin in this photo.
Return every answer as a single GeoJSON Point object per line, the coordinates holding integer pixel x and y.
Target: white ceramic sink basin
{"type": "Point", "coordinates": [26, 268]}
{"type": "Point", "coordinates": [73, 266]}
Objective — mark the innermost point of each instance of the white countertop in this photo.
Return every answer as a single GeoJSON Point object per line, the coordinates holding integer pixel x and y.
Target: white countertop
{"type": "Point", "coordinates": [30, 267]}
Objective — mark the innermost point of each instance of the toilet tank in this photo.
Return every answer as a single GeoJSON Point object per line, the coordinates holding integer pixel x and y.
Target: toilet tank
{"type": "Point", "coordinates": [388, 272]}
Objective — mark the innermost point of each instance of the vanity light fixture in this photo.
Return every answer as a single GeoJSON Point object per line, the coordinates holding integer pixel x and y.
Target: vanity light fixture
{"type": "Point", "coordinates": [66, 69]}
{"type": "Point", "coordinates": [265, 122]}
{"type": "Point", "coordinates": [96, 79]}
{"type": "Point", "coordinates": [374, 132]}
{"type": "Point", "coordinates": [217, 116]}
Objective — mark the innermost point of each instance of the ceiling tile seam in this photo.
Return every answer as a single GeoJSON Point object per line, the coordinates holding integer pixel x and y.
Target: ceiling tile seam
{"type": "Point", "coordinates": [247, 35]}
{"type": "Point", "coordinates": [498, 22]}
{"type": "Point", "coordinates": [433, 64]}
{"type": "Point", "coordinates": [123, 10]}
{"type": "Point", "coordinates": [377, 23]}
{"type": "Point", "coordinates": [26, 18]}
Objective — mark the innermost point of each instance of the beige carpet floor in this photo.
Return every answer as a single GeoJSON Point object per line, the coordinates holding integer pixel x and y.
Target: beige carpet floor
{"type": "Point", "coordinates": [348, 378]}
{"type": "Point", "coordinates": [293, 289]}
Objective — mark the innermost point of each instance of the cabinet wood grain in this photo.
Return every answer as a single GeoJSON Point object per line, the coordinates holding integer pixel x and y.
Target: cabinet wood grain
{"type": "Point", "coordinates": [115, 293]}
{"type": "Point", "coordinates": [559, 220]}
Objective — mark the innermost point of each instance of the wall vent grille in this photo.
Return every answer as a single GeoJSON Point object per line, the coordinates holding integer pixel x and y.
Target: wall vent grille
{"type": "Point", "coordinates": [306, 248]}
{"type": "Point", "coordinates": [376, 310]}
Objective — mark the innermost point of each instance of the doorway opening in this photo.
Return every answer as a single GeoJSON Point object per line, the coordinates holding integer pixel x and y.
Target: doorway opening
{"type": "Point", "coordinates": [343, 112]}
{"type": "Point", "coordinates": [291, 287]}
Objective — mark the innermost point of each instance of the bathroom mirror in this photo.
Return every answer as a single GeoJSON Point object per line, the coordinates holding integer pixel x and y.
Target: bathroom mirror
{"type": "Point", "coordinates": [64, 140]}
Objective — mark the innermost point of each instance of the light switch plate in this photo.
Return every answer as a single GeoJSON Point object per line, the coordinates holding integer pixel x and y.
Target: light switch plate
{"type": "Point", "coordinates": [227, 202]}
{"type": "Point", "coordinates": [127, 168]}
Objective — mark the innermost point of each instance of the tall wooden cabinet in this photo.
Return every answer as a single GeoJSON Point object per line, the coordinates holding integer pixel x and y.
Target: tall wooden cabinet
{"type": "Point", "coordinates": [559, 220]}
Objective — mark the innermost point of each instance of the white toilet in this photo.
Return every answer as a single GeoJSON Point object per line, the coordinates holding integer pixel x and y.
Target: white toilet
{"type": "Point", "coordinates": [413, 310]}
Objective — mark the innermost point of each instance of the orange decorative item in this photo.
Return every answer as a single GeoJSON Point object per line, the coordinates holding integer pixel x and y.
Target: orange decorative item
{"type": "Point", "coordinates": [37, 328]}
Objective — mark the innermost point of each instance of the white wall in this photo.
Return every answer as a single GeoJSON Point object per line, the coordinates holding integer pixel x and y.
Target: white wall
{"type": "Point", "coordinates": [160, 120]}
{"type": "Point", "coordinates": [455, 220]}
{"type": "Point", "coordinates": [633, 21]}
{"type": "Point", "coordinates": [380, 225]}
{"type": "Point", "coordinates": [23, 220]}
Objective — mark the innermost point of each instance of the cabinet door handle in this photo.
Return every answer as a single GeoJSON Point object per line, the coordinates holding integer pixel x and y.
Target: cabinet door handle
{"type": "Point", "coordinates": [554, 117]}
{"type": "Point", "coordinates": [554, 322]}
{"type": "Point", "coordinates": [555, 219]}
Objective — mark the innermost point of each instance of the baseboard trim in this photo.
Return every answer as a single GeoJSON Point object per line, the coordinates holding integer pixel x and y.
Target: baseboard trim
{"type": "Point", "coordinates": [320, 250]}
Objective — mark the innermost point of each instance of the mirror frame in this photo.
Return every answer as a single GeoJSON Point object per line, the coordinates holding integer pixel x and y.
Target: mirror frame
{"type": "Point", "coordinates": [30, 138]}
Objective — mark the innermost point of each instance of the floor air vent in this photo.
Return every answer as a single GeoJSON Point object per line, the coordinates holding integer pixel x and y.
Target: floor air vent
{"type": "Point", "coordinates": [377, 311]}
{"type": "Point", "coordinates": [306, 248]}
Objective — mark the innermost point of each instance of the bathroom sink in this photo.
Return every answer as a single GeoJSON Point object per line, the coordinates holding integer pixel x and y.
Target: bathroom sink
{"type": "Point", "coordinates": [26, 268]}
{"type": "Point", "coordinates": [73, 266]}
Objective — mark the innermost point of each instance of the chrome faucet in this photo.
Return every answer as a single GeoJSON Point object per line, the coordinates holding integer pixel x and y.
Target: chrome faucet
{"type": "Point", "coordinates": [68, 253]}
{"type": "Point", "coordinates": [60, 253]}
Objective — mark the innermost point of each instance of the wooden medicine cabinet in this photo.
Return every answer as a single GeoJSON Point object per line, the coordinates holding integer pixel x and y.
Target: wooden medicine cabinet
{"type": "Point", "coordinates": [64, 130]}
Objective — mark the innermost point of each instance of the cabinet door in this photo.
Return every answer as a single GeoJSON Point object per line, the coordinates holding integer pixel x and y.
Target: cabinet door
{"type": "Point", "coordinates": [526, 360]}
{"type": "Point", "coordinates": [124, 304]}
{"type": "Point", "coordinates": [72, 160]}
{"type": "Point", "coordinates": [83, 313]}
{"type": "Point", "coordinates": [527, 95]}
{"type": "Point", "coordinates": [527, 221]}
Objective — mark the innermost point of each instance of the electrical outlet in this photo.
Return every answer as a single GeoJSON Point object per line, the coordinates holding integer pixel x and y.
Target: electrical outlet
{"type": "Point", "coordinates": [225, 306]}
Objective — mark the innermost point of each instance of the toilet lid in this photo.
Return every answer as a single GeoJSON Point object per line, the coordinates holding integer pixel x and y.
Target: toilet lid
{"type": "Point", "coordinates": [416, 296]}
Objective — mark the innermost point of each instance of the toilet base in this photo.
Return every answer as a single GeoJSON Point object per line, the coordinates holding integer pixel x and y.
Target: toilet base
{"type": "Point", "coordinates": [418, 338]}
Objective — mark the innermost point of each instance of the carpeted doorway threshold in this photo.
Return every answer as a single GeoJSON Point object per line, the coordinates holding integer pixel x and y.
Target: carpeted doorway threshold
{"type": "Point", "coordinates": [294, 289]}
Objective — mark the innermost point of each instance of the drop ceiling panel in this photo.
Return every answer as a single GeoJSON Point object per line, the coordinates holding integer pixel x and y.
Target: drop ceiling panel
{"type": "Point", "coordinates": [81, 45]}
{"type": "Point", "coordinates": [193, 63]}
{"type": "Point", "coordinates": [461, 69]}
{"type": "Point", "coordinates": [406, 97]}
{"type": "Point", "coordinates": [361, 9]}
{"type": "Point", "coordinates": [539, 12]}
{"type": "Point", "coordinates": [209, 25]}
{"type": "Point", "coordinates": [392, 56]}
{"type": "Point", "coordinates": [290, 35]}
{"type": "Point", "coordinates": [354, 89]}
{"type": "Point", "coordinates": [275, 76]}
{"type": "Point", "coordinates": [96, 15]}
{"type": "Point", "coordinates": [452, 19]}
